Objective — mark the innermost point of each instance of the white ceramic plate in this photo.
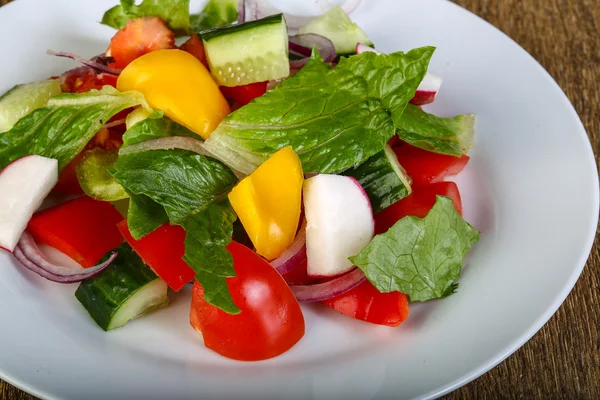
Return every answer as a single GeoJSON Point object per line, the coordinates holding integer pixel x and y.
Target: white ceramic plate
{"type": "Point", "coordinates": [531, 188]}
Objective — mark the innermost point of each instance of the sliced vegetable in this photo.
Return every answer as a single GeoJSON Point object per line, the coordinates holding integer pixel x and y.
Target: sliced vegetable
{"type": "Point", "coordinates": [339, 223]}
{"type": "Point", "coordinates": [255, 51]}
{"type": "Point", "coordinates": [24, 184]}
{"type": "Point", "coordinates": [366, 303]}
{"type": "Point", "coordinates": [417, 204]}
{"type": "Point", "coordinates": [383, 178]}
{"type": "Point", "coordinates": [23, 99]}
{"type": "Point", "coordinates": [302, 45]}
{"type": "Point", "coordinates": [175, 13]}
{"type": "Point", "coordinates": [145, 127]}
{"type": "Point", "coordinates": [137, 115]}
{"type": "Point", "coordinates": [177, 83]}
{"type": "Point", "coordinates": [96, 66]}
{"type": "Point", "coordinates": [452, 136]}
{"type": "Point", "coordinates": [94, 178]}
{"type": "Point", "coordinates": [125, 291]}
{"type": "Point", "coordinates": [268, 203]}
{"type": "Point", "coordinates": [30, 256]}
{"type": "Point", "coordinates": [194, 46]}
{"type": "Point", "coordinates": [140, 36]}
{"type": "Point", "coordinates": [337, 27]}
{"type": "Point", "coordinates": [84, 229]}
{"type": "Point", "coordinates": [216, 13]}
{"type": "Point", "coordinates": [333, 118]}
{"type": "Point", "coordinates": [426, 167]}
{"type": "Point", "coordinates": [327, 290]}
{"type": "Point", "coordinates": [162, 250]}
{"type": "Point", "coordinates": [421, 257]}
{"type": "Point", "coordinates": [294, 255]}
{"type": "Point", "coordinates": [246, 93]}
{"type": "Point", "coordinates": [144, 215]}
{"type": "Point", "coordinates": [84, 79]}
{"type": "Point", "coordinates": [271, 321]}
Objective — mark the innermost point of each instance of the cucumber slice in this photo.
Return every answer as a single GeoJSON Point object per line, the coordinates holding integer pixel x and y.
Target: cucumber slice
{"type": "Point", "coordinates": [383, 178]}
{"type": "Point", "coordinates": [336, 26]}
{"type": "Point", "coordinates": [126, 290]}
{"type": "Point", "coordinates": [254, 51]}
{"type": "Point", "coordinates": [23, 99]}
{"type": "Point", "coordinates": [94, 178]}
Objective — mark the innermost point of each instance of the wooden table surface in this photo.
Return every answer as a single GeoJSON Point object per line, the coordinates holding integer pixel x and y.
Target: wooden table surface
{"type": "Point", "coordinates": [563, 359]}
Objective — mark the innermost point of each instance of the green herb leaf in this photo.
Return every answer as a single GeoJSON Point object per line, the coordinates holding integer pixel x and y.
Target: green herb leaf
{"type": "Point", "coordinates": [154, 127]}
{"type": "Point", "coordinates": [67, 123]}
{"type": "Point", "coordinates": [453, 136]}
{"type": "Point", "coordinates": [176, 13]}
{"type": "Point", "coordinates": [217, 13]}
{"type": "Point", "coordinates": [207, 234]}
{"type": "Point", "coordinates": [333, 118]}
{"type": "Point", "coordinates": [420, 257]}
{"type": "Point", "coordinates": [144, 216]}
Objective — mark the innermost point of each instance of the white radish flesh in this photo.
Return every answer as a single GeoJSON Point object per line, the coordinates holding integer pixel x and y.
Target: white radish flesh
{"type": "Point", "coordinates": [339, 223]}
{"type": "Point", "coordinates": [24, 184]}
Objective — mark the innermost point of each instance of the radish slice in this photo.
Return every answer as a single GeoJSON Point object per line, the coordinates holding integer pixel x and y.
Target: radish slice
{"type": "Point", "coordinates": [95, 65]}
{"type": "Point", "coordinates": [24, 184]}
{"type": "Point", "coordinates": [327, 290]}
{"type": "Point", "coordinates": [427, 90]}
{"type": "Point", "coordinates": [28, 254]}
{"type": "Point", "coordinates": [339, 223]}
{"type": "Point", "coordinates": [294, 255]}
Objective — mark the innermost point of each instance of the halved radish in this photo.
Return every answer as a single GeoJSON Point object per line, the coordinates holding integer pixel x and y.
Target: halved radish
{"type": "Point", "coordinates": [427, 90]}
{"type": "Point", "coordinates": [339, 223]}
{"type": "Point", "coordinates": [23, 184]}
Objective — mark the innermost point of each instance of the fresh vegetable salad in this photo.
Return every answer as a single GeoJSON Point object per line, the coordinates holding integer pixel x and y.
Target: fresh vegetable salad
{"type": "Point", "coordinates": [265, 159]}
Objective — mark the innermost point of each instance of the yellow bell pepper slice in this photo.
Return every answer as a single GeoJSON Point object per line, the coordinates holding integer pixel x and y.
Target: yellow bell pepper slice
{"type": "Point", "coordinates": [177, 83]}
{"type": "Point", "coordinates": [268, 202]}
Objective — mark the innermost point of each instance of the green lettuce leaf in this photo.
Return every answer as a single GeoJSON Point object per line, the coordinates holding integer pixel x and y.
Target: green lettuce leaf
{"type": "Point", "coordinates": [154, 127]}
{"type": "Point", "coordinates": [144, 216]}
{"type": "Point", "coordinates": [333, 118]}
{"type": "Point", "coordinates": [67, 123]}
{"type": "Point", "coordinates": [217, 13]}
{"type": "Point", "coordinates": [453, 136]}
{"type": "Point", "coordinates": [420, 257]}
{"type": "Point", "coordinates": [176, 13]}
{"type": "Point", "coordinates": [192, 189]}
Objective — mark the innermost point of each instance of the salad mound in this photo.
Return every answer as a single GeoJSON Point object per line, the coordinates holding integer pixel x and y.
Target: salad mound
{"type": "Point", "coordinates": [268, 160]}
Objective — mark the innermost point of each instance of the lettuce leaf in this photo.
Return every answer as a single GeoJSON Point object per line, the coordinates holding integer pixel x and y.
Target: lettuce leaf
{"type": "Point", "coordinates": [217, 13]}
{"type": "Point", "coordinates": [67, 123]}
{"type": "Point", "coordinates": [420, 257]}
{"type": "Point", "coordinates": [154, 127]}
{"type": "Point", "coordinates": [176, 13]}
{"type": "Point", "coordinates": [192, 189]}
{"type": "Point", "coordinates": [453, 136]}
{"type": "Point", "coordinates": [144, 216]}
{"type": "Point", "coordinates": [333, 118]}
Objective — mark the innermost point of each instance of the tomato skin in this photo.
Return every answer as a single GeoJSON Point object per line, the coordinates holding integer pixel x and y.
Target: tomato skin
{"type": "Point", "coordinates": [270, 322]}
{"type": "Point", "coordinates": [417, 204]}
{"type": "Point", "coordinates": [84, 229]}
{"type": "Point", "coordinates": [426, 167]}
{"type": "Point", "coordinates": [84, 79]}
{"type": "Point", "coordinates": [246, 93]}
{"type": "Point", "coordinates": [162, 250]}
{"type": "Point", "coordinates": [366, 303]}
{"type": "Point", "coordinates": [139, 37]}
{"type": "Point", "coordinates": [299, 275]}
{"type": "Point", "coordinates": [194, 46]}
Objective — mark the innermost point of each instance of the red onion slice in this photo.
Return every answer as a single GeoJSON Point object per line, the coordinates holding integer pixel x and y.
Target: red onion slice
{"type": "Point", "coordinates": [114, 123]}
{"type": "Point", "coordinates": [294, 255]}
{"type": "Point", "coordinates": [303, 44]}
{"type": "Point", "coordinates": [92, 64]}
{"type": "Point", "coordinates": [327, 290]}
{"type": "Point", "coordinates": [29, 254]}
{"type": "Point", "coordinates": [241, 8]}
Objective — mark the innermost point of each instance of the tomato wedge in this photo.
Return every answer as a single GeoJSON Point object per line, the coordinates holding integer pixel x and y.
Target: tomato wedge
{"type": "Point", "coordinates": [84, 229]}
{"type": "Point", "coordinates": [244, 94]}
{"type": "Point", "coordinates": [270, 322]}
{"type": "Point", "coordinates": [417, 204]}
{"type": "Point", "coordinates": [162, 250]}
{"type": "Point", "coordinates": [366, 303]}
{"type": "Point", "coordinates": [194, 46]}
{"type": "Point", "coordinates": [427, 167]}
{"type": "Point", "coordinates": [139, 37]}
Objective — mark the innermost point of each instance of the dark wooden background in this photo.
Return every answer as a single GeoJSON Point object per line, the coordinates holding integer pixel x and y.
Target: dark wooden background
{"type": "Point", "coordinates": [563, 359]}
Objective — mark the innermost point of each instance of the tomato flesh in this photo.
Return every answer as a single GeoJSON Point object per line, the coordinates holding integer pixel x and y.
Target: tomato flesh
{"type": "Point", "coordinates": [366, 303]}
{"type": "Point", "coordinates": [426, 167]}
{"type": "Point", "coordinates": [246, 93]}
{"type": "Point", "coordinates": [162, 250]}
{"type": "Point", "coordinates": [84, 229]}
{"type": "Point", "coordinates": [194, 46]}
{"type": "Point", "coordinates": [270, 322]}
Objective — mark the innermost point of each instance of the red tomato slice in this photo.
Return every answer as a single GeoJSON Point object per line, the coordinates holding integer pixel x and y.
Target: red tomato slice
{"type": "Point", "coordinates": [139, 37]}
{"type": "Point", "coordinates": [162, 250]}
{"type": "Point", "coordinates": [417, 204]}
{"type": "Point", "coordinates": [271, 321]}
{"type": "Point", "coordinates": [366, 303]}
{"type": "Point", "coordinates": [84, 229]}
{"type": "Point", "coordinates": [246, 93]}
{"type": "Point", "coordinates": [427, 167]}
{"type": "Point", "coordinates": [194, 46]}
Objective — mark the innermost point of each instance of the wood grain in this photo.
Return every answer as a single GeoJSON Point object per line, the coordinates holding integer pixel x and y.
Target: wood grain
{"type": "Point", "coordinates": [563, 360]}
